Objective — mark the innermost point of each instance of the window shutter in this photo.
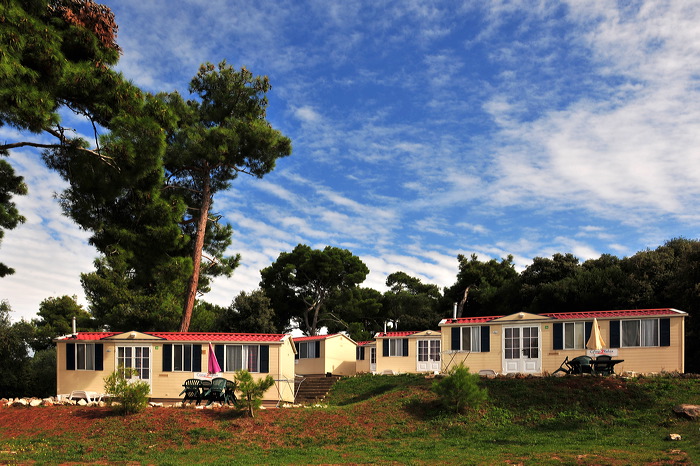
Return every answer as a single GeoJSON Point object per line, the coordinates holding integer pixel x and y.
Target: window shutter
{"type": "Point", "coordinates": [385, 347]}
{"type": "Point", "coordinates": [405, 347]}
{"type": "Point", "coordinates": [296, 345]}
{"type": "Point", "coordinates": [167, 357]}
{"type": "Point", "coordinates": [456, 340]}
{"type": "Point", "coordinates": [70, 356]}
{"type": "Point", "coordinates": [99, 358]}
{"type": "Point", "coordinates": [264, 358]}
{"type": "Point", "coordinates": [219, 353]}
{"type": "Point", "coordinates": [587, 329]}
{"type": "Point", "coordinates": [665, 332]}
{"type": "Point", "coordinates": [485, 338]}
{"type": "Point", "coordinates": [614, 333]}
{"type": "Point", "coordinates": [318, 349]}
{"type": "Point", "coordinates": [558, 336]}
{"type": "Point", "coordinates": [196, 358]}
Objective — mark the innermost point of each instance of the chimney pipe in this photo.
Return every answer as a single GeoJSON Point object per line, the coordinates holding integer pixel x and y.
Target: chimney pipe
{"type": "Point", "coordinates": [75, 330]}
{"type": "Point", "coordinates": [385, 327]}
{"type": "Point", "coordinates": [454, 312]}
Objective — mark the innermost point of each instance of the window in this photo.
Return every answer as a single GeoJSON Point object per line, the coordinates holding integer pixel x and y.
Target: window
{"type": "Point", "coordinates": [471, 339]}
{"type": "Point", "coordinates": [640, 332]}
{"type": "Point", "coordinates": [574, 335]}
{"type": "Point", "coordinates": [135, 357]}
{"type": "Point", "coordinates": [85, 356]}
{"type": "Point", "coordinates": [239, 357]}
{"type": "Point", "coordinates": [396, 347]}
{"type": "Point", "coordinates": [360, 353]}
{"type": "Point", "coordinates": [307, 350]}
{"type": "Point", "coordinates": [182, 358]}
{"type": "Point", "coordinates": [428, 350]}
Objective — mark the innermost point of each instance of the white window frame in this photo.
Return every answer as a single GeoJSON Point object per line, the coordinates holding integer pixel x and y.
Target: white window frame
{"type": "Point", "coordinates": [648, 333]}
{"type": "Point", "coordinates": [244, 358]}
{"type": "Point", "coordinates": [474, 343]}
{"type": "Point", "coordinates": [574, 329]}
{"type": "Point", "coordinates": [139, 359]}
{"type": "Point", "coordinates": [85, 356]}
{"type": "Point", "coordinates": [179, 359]}
{"type": "Point", "coordinates": [396, 347]}
{"type": "Point", "coordinates": [307, 350]}
{"type": "Point", "coordinates": [428, 350]}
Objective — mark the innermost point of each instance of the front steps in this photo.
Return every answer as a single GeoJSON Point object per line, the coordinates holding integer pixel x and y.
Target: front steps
{"type": "Point", "coordinates": [313, 389]}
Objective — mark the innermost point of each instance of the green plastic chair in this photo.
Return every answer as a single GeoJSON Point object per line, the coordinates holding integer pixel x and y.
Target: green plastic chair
{"type": "Point", "coordinates": [217, 391]}
{"type": "Point", "coordinates": [192, 390]}
{"type": "Point", "coordinates": [581, 365]}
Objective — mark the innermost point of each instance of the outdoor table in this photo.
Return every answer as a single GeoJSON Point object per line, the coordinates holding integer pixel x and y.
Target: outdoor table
{"type": "Point", "coordinates": [605, 366]}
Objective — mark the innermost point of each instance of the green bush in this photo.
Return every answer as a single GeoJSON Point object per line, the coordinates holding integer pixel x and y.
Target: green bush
{"type": "Point", "coordinates": [251, 391]}
{"type": "Point", "coordinates": [127, 396]}
{"type": "Point", "coordinates": [460, 390]}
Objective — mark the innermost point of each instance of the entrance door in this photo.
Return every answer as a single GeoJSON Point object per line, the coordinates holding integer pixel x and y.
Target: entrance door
{"type": "Point", "coordinates": [428, 356]}
{"type": "Point", "coordinates": [373, 359]}
{"type": "Point", "coordinates": [521, 349]}
{"type": "Point", "coordinates": [137, 358]}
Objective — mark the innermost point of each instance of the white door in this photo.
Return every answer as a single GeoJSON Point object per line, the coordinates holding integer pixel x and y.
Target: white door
{"type": "Point", "coordinates": [428, 356]}
{"type": "Point", "coordinates": [138, 358]}
{"type": "Point", "coordinates": [521, 349]}
{"type": "Point", "coordinates": [373, 359]}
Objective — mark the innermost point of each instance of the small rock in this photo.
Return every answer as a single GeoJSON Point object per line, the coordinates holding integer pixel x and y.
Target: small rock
{"type": "Point", "coordinates": [82, 402]}
{"type": "Point", "coordinates": [35, 403]}
{"type": "Point", "coordinates": [21, 402]}
{"type": "Point", "coordinates": [691, 412]}
{"type": "Point", "coordinates": [673, 437]}
{"type": "Point", "coordinates": [155, 405]}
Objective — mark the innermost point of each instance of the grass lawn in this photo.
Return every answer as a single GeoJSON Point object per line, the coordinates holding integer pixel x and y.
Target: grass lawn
{"type": "Point", "coordinates": [382, 419]}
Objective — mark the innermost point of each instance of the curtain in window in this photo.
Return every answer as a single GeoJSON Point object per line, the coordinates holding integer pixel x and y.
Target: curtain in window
{"type": "Point", "coordinates": [234, 358]}
{"type": "Point", "coordinates": [630, 333]}
{"type": "Point", "coordinates": [650, 332]}
{"type": "Point", "coordinates": [252, 358]}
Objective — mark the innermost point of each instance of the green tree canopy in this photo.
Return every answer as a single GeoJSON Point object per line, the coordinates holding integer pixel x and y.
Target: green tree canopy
{"type": "Point", "coordinates": [479, 285]}
{"type": "Point", "coordinates": [300, 282]}
{"type": "Point", "coordinates": [249, 313]}
{"type": "Point", "coordinates": [10, 185]}
{"type": "Point", "coordinates": [410, 304]}
{"type": "Point", "coordinates": [56, 319]}
{"type": "Point", "coordinates": [218, 135]}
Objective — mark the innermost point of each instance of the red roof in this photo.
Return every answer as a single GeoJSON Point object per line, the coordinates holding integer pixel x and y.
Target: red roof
{"type": "Point", "coordinates": [395, 334]}
{"type": "Point", "coordinates": [315, 337]}
{"type": "Point", "coordinates": [364, 343]}
{"type": "Point", "coordinates": [190, 336]}
{"type": "Point", "coordinates": [613, 314]}
{"type": "Point", "coordinates": [469, 320]}
{"type": "Point", "coordinates": [574, 315]}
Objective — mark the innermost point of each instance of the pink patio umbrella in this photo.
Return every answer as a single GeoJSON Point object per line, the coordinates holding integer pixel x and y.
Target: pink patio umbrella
{"type": "Point", "coordinates": [595, 341]}
{"type": "Point", "coordinates": [214, 367]}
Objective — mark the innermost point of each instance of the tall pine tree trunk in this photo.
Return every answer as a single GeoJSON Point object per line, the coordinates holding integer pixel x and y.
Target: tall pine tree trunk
{"type": "Point", "coordinates": [191, 292]}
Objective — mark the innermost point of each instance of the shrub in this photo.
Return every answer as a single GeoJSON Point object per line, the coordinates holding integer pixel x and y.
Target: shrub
{"type": "Point", "coordinates": [251, 391]}
{"type": "Point", "coordinates": [460, 390]}
{"type": "Point", "coordinates": [130, 395]}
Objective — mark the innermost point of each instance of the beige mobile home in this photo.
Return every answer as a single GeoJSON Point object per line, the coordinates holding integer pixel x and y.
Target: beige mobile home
{"type": "Point", "coordinates": [366, 357]}
{"type": "Point", "coordinates": [166, 359]}
{"type": "Point", "coordinates": [410, 351]}
{"type": "Point", "coordinates": [324, 354]}
{"type": "Point", "coordinates": [646, 340]}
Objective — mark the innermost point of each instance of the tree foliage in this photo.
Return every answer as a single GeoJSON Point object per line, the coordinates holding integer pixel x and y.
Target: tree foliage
{"type": "Point", "coordinates": [410, 304]}
{"type": "Point", "coordinates": [218, 135]}
{"type": "Point", "coordinates": [10, 185]}
{"type": "Point", "coordinates": [249, 313]}
{"type": "Point", "coordinates": [251, 391]}
{"type": "Point", "coordinates": [301, 282]}
{"type": "Point", "coordinates": [56, 319]}
{"type": "Point", "coordinates": [460, 390]}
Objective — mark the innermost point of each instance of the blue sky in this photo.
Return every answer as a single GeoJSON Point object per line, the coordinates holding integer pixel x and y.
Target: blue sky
{"type": "Point", "coordinates": [421, 130]}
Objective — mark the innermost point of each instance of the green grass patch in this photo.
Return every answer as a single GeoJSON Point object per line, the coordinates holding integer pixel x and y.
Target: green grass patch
{"type": "Point", "coordinates": [398, 419]}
